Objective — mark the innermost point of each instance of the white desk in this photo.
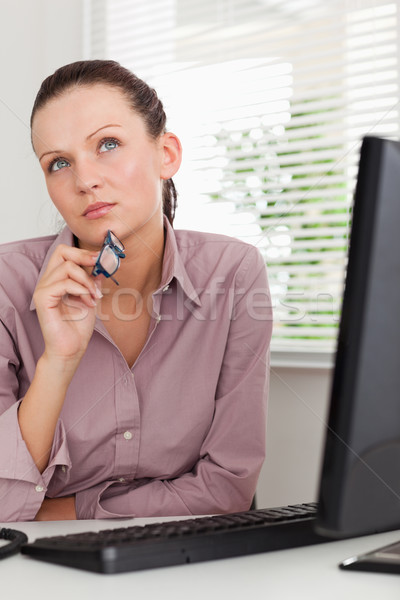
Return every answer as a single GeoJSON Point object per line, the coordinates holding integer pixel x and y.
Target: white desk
{"type": "Point", "coordinates": [309, 573]}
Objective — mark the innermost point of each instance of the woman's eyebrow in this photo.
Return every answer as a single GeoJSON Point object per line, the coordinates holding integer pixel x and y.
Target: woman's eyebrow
{"type": "Point", "coordinates": [50, 152]}
{"type": "Point", "coordinates": [88, 137]}
{"type": "Point", "coordinates": [102, 127]}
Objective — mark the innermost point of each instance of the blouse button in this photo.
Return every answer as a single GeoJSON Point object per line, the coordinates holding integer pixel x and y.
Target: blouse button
{"type": "Point", "coordinates": [128, 435]}
{"type": "Point", "coordinates": [166, 288]}
{"type": "Point", "coordinates": [39, 488]}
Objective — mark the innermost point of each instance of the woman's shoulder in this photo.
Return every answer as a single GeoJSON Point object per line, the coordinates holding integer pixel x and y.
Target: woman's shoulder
{"type": "Point", "coordinates": [187, 238]}
{"type": "Point", "coordinates": [34, 249]}
{"type": "Point", "coordinates": [21, 261]}
{"type": "Point", "coordinates": [214, 246]}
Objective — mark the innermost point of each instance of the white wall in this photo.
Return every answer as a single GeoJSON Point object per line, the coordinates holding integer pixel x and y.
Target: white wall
{"type": "Point", "coordinates": [36, 37]}
{"type": "Point", "coordinates": [298, 408]}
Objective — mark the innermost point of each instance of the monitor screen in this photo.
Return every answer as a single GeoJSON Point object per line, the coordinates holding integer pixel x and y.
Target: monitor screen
{"type": "Point", "coordinates": [360, 481]}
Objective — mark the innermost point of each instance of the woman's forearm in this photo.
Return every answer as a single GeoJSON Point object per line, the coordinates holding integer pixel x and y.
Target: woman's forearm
{"type": "Point", "coordinates": [41, 407]}
{"type": "Point", "coordinates": [57, 509]}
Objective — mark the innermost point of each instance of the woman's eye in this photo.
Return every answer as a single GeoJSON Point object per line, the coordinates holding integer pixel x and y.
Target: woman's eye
{"type": "Point", "coordinates": [107, 145]}
{"type": "Point", "coordinates": [58, 163]}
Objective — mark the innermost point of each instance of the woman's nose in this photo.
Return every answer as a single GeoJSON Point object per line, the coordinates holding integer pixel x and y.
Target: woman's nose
{"type": "Point", "coordinates": [87, 176]}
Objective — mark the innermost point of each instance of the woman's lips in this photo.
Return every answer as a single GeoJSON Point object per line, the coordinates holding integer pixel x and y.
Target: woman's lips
{"type": "Point", "coordinates": [97, 210]}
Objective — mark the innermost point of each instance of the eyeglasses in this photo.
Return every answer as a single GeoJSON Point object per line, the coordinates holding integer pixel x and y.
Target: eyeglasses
{"type": "Point", "coordinates": [107, 262]}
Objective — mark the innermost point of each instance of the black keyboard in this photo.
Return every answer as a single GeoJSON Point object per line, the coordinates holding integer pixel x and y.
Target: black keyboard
{"type": "Point", "coordinates": [181, 542]}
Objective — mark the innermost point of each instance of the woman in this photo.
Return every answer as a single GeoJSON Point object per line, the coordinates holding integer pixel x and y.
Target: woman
{"type": "Point", "coordinates": [138, 399]}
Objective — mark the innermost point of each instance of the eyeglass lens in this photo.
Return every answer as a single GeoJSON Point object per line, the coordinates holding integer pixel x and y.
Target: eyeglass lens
{"type": "Point", "coordinates": [115, 241]}
{"type": "Point", "coordinates": [109, 260]}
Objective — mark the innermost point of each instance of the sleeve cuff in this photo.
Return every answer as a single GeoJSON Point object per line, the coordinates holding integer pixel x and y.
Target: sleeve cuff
{"type": "Point", "coordinates": [93, 503]}
{"type": "Point", "coordinates": [22, 486]}
{"type": "Point", "coordinates": [16, 461]}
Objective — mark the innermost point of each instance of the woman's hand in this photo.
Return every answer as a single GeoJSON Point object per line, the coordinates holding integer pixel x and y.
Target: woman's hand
{"type": "Point", "coordinates": [65, 300]}
{"type": "Point", "coordinates": [57, 509]}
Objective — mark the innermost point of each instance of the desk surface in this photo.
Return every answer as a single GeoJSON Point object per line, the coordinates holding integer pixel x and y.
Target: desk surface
{"type": "Point", "coordinates": [308, 573]}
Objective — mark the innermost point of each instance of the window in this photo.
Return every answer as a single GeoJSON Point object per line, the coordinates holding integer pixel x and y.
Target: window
{"type": "Point", "coordinates": [271, 99]}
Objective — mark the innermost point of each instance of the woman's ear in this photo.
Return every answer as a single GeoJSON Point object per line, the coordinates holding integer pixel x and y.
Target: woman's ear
{"type": "Point", "coordinates": [172, 155]}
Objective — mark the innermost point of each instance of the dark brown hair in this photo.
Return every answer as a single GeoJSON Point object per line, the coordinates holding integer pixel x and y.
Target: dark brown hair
{"type": "Point", "coordinates": [142, 98]}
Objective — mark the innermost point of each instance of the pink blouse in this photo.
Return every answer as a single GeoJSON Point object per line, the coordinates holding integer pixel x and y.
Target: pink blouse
{"type": "Point", "coordinates": [181, 432]}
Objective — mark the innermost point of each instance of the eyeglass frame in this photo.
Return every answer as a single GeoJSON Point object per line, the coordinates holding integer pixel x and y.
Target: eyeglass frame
{"type": "Point", "coordinates": [98, 269]}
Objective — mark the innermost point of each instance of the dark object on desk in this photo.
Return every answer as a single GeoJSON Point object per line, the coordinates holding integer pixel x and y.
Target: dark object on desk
{"type": "Point", "coordinates": [15, 540]}
{"type": "Point", "coordinates": [382, 560]}
{"type": "Point", "coordinates": [181, 542]}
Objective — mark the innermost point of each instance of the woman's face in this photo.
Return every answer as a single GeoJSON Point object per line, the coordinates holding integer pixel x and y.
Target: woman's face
{"type": "Point", "coordinates": [102, 169]}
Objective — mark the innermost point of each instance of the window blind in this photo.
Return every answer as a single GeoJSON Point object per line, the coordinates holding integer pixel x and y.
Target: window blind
{"type": "Point", "coordinates": [271, 99]}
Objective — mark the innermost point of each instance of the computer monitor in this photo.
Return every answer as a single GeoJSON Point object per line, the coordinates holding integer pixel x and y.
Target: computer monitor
{"type": "Point", "coordinates": [360, 480]}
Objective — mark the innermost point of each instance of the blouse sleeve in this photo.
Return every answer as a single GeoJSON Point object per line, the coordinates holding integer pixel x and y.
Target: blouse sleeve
{"type": "Point", "coordinates": [22, 486]}
{"type": "Point", "coordinates": [225, 476]}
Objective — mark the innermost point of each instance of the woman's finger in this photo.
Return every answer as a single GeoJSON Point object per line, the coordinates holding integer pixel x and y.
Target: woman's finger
{"type": "Point", "coordinates": [70, 270]}
{"type": "Point", "coordinates": [53, 294]}
{"type": "Point", "coordinates": [63, 253]}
